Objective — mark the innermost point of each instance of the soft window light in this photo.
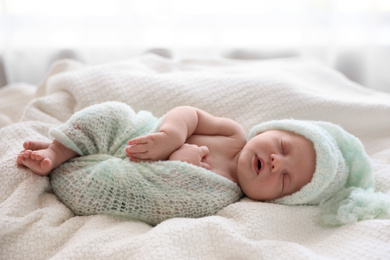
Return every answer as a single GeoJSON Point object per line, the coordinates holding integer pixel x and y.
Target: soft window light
{"type": "Point", "coordinates": [321, 28]}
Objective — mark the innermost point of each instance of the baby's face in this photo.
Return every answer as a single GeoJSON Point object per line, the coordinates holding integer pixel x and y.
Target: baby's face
{"type": "Point", "coordinates": [274, 164]}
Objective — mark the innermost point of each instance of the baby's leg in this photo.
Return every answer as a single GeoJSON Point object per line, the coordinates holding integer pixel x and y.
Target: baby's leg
{"type": "Point", "coordinates": [43, 157]}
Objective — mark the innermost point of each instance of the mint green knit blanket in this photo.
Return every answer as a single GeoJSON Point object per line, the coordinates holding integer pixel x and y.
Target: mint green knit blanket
{"type": "Point", "coordinates": [103, 180]}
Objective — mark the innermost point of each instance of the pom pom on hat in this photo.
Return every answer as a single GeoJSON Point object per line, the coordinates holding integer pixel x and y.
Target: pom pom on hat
{"type": "Point", "coordinates": [343, 173]}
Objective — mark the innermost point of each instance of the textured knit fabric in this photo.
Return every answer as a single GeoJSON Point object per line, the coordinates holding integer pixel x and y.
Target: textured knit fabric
{"type": "Point", "coordinates": [343, 183]}
{"type": "Point", "coordinates": [103, 180]}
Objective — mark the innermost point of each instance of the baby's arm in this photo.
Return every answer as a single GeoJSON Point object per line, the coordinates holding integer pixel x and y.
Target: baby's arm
{"type": "Point", "coordinates": [191, 153]}
{"type": "Point", "coordinates": [177, 125]}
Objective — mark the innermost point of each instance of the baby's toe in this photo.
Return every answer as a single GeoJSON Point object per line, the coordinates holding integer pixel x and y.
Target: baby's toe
{"type": "Point", "coordinates": [35, 145]}
{"type": "Point", "coordinates": [37, 156]}
{"type": "Point", "coordinates": [46, 165]}
{"type": "Point", "coordinates": [27, 154]}
{"type": "Point", "coordinates": [26, 145]}
{"type": "Point", "coordinates": [19, 159]}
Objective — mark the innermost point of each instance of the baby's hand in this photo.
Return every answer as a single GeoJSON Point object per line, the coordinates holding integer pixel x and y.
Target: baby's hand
{"type": "Point", "coordinates": [193, 154]}
{"type": "Point", "coordinates": [152, 147]}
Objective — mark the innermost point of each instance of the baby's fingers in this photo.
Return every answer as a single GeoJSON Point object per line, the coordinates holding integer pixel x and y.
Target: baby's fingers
{"type": "Point", "coordinates": [138, 140]}
{"type": "Point", "coordinates": [204, 151]}
{"type": "Point", "coordinates": [138, 145]}
{"type": "Point", "coordinates": [135, 149]}
{"type": "Point", "coordinates": [205, 165]}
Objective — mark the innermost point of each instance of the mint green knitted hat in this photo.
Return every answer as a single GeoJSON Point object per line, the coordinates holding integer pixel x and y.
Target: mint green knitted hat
{"type": "Point", "coordinates": [343, 183]}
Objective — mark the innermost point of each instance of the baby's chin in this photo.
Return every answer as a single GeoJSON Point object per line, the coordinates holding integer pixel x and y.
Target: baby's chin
{"type": "Point", "coordinates": [260, 197]}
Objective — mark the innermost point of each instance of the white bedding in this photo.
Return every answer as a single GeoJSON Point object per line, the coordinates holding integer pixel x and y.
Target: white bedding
{"type": "Point", "coordinates": [34, 224]}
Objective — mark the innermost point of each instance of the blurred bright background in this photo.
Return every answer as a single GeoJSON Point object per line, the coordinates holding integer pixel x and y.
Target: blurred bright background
{"type": "Point", "coordinates": [352, 36]}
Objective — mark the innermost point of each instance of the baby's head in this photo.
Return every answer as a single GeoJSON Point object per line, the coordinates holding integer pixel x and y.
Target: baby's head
{"type": "Point", "coordinates": [274, 164]}
{"type": "Point", "coordinates": [320, 160]}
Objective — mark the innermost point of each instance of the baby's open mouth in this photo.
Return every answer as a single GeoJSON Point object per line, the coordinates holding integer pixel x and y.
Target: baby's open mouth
{"type": "Point", "coordinates": [257, 164]}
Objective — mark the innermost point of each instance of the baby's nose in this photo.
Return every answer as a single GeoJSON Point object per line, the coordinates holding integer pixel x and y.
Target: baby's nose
{"type": "Point", "coordinates": [276, 163]}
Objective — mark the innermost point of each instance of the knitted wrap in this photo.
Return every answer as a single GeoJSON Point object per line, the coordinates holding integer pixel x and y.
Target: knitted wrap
{"type": "Point", "coordinates": [104, 180]}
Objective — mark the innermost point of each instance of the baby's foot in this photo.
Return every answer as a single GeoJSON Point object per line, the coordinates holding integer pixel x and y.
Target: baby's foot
{"type": "Point", "coordinates": [39, 162]}
{"type": "Point", "coordinates": [37, 156]}
{"type": "Point", "coordinates": [43, 157]}
{"type": "Point", "coordinates": [32, 146]}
